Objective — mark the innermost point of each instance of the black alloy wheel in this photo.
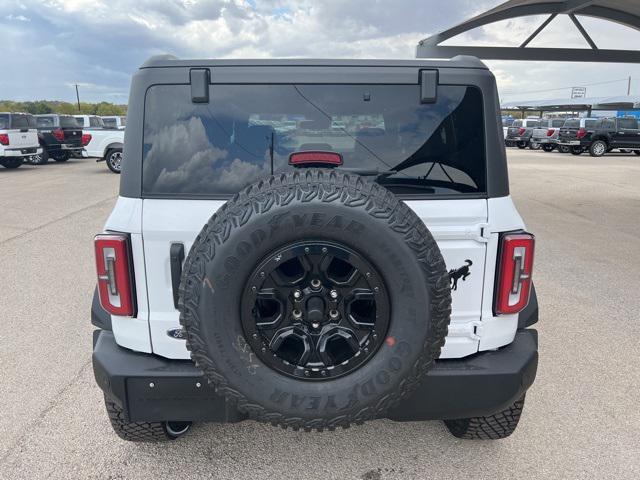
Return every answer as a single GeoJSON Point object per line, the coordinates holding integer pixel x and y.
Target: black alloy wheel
{"type": "Point", "coordinates": [318, 309]}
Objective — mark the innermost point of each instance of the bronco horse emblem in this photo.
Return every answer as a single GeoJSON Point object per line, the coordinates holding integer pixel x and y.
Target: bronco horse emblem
{"type": "Point", "coordinates": [456, 274]}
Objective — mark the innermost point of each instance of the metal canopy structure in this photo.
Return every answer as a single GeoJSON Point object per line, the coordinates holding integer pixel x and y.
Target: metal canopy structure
{"type": "Point", "coordinates": [624, 12]}
{"type": "Point", "coordinates": [625, 103]}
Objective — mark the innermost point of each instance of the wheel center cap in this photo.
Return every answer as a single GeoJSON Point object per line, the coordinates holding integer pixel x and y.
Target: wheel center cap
{"type": "Point", "coordinates": [315, 309]}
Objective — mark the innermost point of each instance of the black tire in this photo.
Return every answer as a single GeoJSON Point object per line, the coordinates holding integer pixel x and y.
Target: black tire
{"type": "Point", "coordinates": [41, 159]}
{"type": "Point", "coordinates": [493, 427]}
{"type": "Point", "coordinates": [547, 147]}
{"type": "Point", "coordinates": [534, 146]}
{"type": "Point", "coordinates": [12, 163]}
{"type": "Point", "coordinates": [113, 159]}
{"type": "Point", "coordinates": [143, 431]}
{"type": "Point", "coordinates": [323, 206]}
{"type": "Point", "coordinates": [637, 152]}
{"type": "Point", "coordinates": [60, 156]}
{"type": "Point", "coordinates": [576, 150]}
{"type": "Point", "coordinates": [564, 148]}
{"type": "Point", "coordinates": [598, 148]}
{"type": "Point", "coordinates": [521, 145]}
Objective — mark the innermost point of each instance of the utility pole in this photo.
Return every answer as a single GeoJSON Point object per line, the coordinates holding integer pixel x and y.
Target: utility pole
{"type": "Point", "coordinates": [78, 98]}
{"type": "Point", "coordinates": [629, 86]}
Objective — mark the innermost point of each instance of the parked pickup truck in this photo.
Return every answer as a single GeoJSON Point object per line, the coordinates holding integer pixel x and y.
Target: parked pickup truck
{"type": "Point", "coordinates": [575, 134]}
{"type": "Point", "coordinates": [104, 143]}
{"type": "Point", "coordinates": [60, 136]}
{"type": "Point", "coordinates": [520, 131]}
{"type": "Point", "coordinates": [546, 134]}
{"type": "Point", "coordinates": [615, 133]}
{"type": "Point", "coordinates": [114, 121]}
{"type": "Point", "coordinates": [17, 140]}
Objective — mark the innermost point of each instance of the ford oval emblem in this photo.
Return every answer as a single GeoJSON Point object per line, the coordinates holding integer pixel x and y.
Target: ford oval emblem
{"type": "Point", "coordinates": [176, 333]}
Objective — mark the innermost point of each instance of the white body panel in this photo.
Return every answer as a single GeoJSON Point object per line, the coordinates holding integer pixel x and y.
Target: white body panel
{"type": "Point", "coordinates": [101, 140]}
{"type": "Point", "coordinates": [464, 229]}
{"type": "Point", "coordinates": [19, 140]}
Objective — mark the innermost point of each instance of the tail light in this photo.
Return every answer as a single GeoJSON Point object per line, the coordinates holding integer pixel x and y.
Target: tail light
{"type": "Point", "coordinates": [514, 273]}
{"type": "Point", "coordinates": [59, 134]}
{"type": "Point", "coordinates": [581, 133]}
{"type": "Point", "coordinates": [328, 159]}
{"type": "Point", "coordinates": [521, 131]}
{"type": "Point", "coordinates": [86, 138]}
{"type": "Point", "coordinates": [550, 132]}
{"type": "Point", "coordinates": [4, 139]}
{"type": "Point", "coordinates": [115, 274]}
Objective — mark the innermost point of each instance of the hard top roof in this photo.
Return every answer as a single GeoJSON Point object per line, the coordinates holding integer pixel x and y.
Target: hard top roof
{"type": "Point", "coordinates": [456, 62]}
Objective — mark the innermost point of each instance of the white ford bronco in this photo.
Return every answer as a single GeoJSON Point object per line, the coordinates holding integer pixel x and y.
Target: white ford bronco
{"type": "Point", "coordinates": [314, 244]}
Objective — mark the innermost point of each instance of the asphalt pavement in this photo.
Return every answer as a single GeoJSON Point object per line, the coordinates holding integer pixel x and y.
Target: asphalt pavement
{"type": "Point", "coordinates": [581, 417]}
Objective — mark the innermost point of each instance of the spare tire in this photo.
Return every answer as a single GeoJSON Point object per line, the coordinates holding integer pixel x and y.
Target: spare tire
{"type": "Point", "coordinates": [314, 299]}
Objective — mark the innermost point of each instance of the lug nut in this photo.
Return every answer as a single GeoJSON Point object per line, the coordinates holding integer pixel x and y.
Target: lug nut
{"type": "Point", "coordinates": [334, 314]}
{"type": "Point", "coordinates": [315, 325]}
{"type": "Point", "coordinates": [315, 284]}
{"type": "Point", "coordinates": [297, 314]}
{"type": "Point", "coordinates": [333, 294]}
{"type": "Point", "coordinates": [297, 294]}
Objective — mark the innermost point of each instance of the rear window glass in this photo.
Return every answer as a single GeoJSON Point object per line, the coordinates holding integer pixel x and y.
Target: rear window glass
{"type": "Point", "coordinates": [95, 122]}
{"type": "Point", "coordinates": [19, 121]}
{"type": "Point", "coordinates": [517, 123]}
{"type": "Point", "coordinates": [572, 123]}
{"type": "Point", "coordinates": [32, 121]}
{"type": "Point", "coordinates": [590, 123]}
{"type": "Point", "coordinates": [80, 121]}
{"type": "Point", "coordinates": [532, 123]}
{"type": "Point", "coordinates": [247, 132]}
{"type": "Point", "coordinates": [67, 121]}
{"type": "Point", "coordinates": [110, 122]}
{"type": "Point", "coordinates": [4, 121]}
{"type": "Point", "coordinates": [557, 123]}
{"type": "Point", "coordinates": [45, 122]}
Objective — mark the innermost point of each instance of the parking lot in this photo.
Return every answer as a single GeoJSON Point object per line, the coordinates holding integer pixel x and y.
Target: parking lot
{"type": "Point", "coordinates": [581, 418]}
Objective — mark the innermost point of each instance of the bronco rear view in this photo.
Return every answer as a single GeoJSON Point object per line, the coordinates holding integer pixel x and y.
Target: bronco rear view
{"type": "Point", "coordinates": [314, 244]}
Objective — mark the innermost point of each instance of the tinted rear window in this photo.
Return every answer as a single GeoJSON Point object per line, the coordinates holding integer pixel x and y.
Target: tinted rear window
{"type": "Point", "coordinates": [110, 122]}
{"type": "Point", "coordinates": [4, 121]}
{"type": "Point", "coordinates": [247, 132]}
{"type": "Point", "coordinates": [572, 123]}
{"type": "Point", "coordinates": [590, 123]}
{"type": "Point", "coordinates": [96, 122]}
{"type": "Point", "coordinates": [557, 123]}
{"type": "Point", "coordinates": [67, 121]}
{"type": "Point", "coordinates": [45, 122]}
{"type": "Point", "coordinates": [19, 121]}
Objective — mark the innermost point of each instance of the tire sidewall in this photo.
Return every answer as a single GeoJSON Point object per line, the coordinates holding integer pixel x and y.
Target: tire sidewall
{"type": "Point", "coordinates": [108, 160]}
{"type": "Point", "coordinates": [363, 393]}
{"type": "Point", "coordinates": [594, 145]}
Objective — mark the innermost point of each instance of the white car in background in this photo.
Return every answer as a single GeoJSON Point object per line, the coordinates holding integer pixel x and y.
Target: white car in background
{"type": "Point", "coordinates": [114, 121]}
{"type": "Point", "coordinates": [105, 143]}
{"type": "Point", "coordinates": [18, 140]}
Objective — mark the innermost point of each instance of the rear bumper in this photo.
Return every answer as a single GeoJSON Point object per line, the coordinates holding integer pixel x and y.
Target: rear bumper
{"type": "Point", "coordinates": [544, 140]}
{"type": "Point", "coordinates": [21, 152]}
{"type": "Point", "coordinates": [151, 388]}
{"type": "Point", "coordinates": [573, 143]}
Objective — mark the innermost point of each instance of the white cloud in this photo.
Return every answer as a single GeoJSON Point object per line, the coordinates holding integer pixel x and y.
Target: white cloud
{"type": "Point", "coordinates": [101, 42]}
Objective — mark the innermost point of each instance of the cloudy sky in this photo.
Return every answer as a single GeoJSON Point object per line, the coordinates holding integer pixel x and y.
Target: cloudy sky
{"type": "Point", "coordinates": [49, 45]}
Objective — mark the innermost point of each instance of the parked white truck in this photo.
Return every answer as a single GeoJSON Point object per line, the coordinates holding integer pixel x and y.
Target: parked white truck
{"type": "Point", "coordinates": [105, 143]}
{"type": "Point", "coordinates": [17, 139]}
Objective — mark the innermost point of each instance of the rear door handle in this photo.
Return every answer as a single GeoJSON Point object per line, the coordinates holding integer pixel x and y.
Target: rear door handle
{"type": "Point", "coordinates": [176, 258]}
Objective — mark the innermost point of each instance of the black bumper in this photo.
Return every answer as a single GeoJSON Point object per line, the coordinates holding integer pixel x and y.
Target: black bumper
{"type": "Point", "coordinates": [151, 388]}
